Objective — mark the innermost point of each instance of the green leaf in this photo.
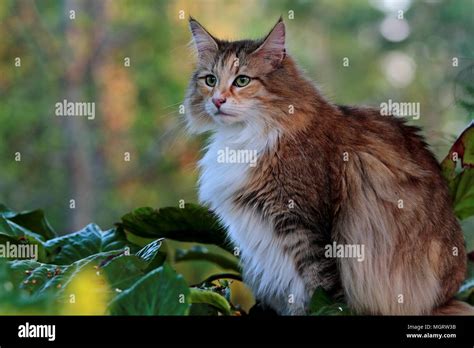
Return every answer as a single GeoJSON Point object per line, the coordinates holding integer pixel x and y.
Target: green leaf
{"type": "Point", "coordinates": [12, 233]}
{"type": "Point", "coordinates": [148, 252]}
{"type": "Point", "coordinates": [464, 194]}
{"type": "Point", "coordinates": [15, 228]}
{"type": "Point", "coordinates": [124, 270]}
{"type": "Point", "coordinates": [461, 180]}
{"type": "Point", "coordinates": [219, 276]}
{"type": "Point", "coordinates": [468, 105]}
{"type": "Point", "coordinates": [322, 304]}
{"type": "Point", "coordinates": [201, 253]}
{"type": "Point", "coordinates": [193, 223]}
{"type": "Point", "coordinates": [88, 241]}
{"type": "Point", "coordinates": [134, 239]}
{"type": "Point", "coordinates": [463, 148]}
{"type": "Point", "coordinates": [466, 291]}
{"type": "Point", "coordinates": [12, 229]}
{"type": "Point", "coordinates": [14, 300]}
{"type": "Point", "coordinates": [31, 220]}
{"type": "Point", "coordinates": [334, 309]}
{"type": "Point", "coordinates": [160, 292]}
{"type": "Point", "coordinates": [212, 299]}
{"type": "Point", "coordinates": [4, 209]}
{"type": "Point", "coordinates": [319, 299]}
{"type": "Point", "coordinates": [37, 277]}
{"type": "Point", "coordinates": [120, 269]}
{"type": "Point", "coordinates": [468, 229]}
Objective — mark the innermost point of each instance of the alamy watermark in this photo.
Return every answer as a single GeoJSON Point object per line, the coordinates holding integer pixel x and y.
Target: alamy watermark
{"type": "Point", "coordinates": [67, 108]}
{"type": "Point", "coordinates": [356, 251]}
{"type": "Point", "coordinates": [28, 330]}
{"type": "Point", "coordinates": [228, 155]}
{"type": "Point", "coordinates": [400, 109]}
{"type": "Point", "coordinates": [19, 251]}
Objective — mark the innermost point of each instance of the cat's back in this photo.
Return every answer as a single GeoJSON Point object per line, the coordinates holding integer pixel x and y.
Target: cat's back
{"type": "Point", "coordinates": [388, 138]}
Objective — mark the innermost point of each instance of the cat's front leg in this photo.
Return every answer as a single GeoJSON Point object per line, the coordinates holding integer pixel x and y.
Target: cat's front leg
{"type": "Point", "coordinates": [305, 246]}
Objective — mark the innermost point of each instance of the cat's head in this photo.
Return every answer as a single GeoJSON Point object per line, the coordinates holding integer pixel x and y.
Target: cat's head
{"type": "Point", "coordinates": [236, 82]}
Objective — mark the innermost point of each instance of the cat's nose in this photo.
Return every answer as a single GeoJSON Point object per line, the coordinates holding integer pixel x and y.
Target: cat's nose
{"type": "Point", "coordinates": [218, 101]}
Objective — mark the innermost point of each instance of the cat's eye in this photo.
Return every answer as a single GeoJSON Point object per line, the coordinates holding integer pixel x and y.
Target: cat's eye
{"type": "Point", "coordinates": [210, 80]}
{"type": "Point", "coordinates": [242, 81]}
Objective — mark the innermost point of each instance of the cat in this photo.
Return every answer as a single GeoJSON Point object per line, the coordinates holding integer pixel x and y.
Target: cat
{"type": "Point", "coordinates": [325, 176]}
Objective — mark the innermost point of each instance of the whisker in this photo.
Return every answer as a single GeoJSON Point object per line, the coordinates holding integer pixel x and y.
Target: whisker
{"type": "Point", "coordinates": [172, 105]}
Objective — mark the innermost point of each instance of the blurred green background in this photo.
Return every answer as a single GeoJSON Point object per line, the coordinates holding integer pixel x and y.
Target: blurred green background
{"type": "Point", "coordinates": [137, 107]}
{"type": "Point", "coordinates": [405, 56]}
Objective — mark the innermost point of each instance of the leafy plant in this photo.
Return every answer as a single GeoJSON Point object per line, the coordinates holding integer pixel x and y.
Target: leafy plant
{"type": "Point", "coordinates": [138, 280]}
{"type": "Point", "coordinates": [322, 304]}
{"type": "Point", "coordinates": [458, 169]}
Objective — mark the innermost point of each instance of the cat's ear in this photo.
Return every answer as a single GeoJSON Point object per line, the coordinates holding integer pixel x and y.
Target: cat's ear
{"type": "Point", "coordinates": [272, 50]}
{"type": "Point", "coordinates": [205, 43]}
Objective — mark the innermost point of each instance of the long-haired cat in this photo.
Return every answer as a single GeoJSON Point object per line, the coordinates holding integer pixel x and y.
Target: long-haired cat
{"type": "Point", "coordinates": [326, 176]}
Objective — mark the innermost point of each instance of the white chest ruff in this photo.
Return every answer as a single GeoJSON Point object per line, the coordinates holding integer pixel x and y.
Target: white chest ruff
{"type": "Point", "coordinates": [268, 270]}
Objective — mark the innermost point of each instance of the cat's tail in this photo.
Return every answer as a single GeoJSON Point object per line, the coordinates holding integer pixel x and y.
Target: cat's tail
{"type": "Point", "coordinates": [454, 307]}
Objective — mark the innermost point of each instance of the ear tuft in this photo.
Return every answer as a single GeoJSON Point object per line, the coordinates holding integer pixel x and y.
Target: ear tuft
{"type": "Point", "coordinates": [205, 43]}
{"type": "Point", "coordinates": [272, 50]}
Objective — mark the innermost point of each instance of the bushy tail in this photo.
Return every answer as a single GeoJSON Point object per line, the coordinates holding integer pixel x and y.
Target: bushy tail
{"type": "Point", "coordinates": [454, 307]}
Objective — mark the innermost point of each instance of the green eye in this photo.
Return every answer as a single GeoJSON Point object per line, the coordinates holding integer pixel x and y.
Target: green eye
{"type": "Point", "coordinates": [211, 80]}
{"type": "Point", "coordinates": [242, 81]}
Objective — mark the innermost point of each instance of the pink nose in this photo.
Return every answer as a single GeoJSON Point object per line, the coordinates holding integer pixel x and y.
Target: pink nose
{"type": "Point", "coordinates": [218, 101]}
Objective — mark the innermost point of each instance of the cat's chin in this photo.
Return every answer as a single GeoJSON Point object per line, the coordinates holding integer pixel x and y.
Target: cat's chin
{"type": "Point", "coordinates": [226, 119]}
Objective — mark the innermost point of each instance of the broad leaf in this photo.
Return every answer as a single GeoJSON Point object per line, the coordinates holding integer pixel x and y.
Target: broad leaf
{"type": "Point", "coordinates": [37, 277]}
{"type": "Point", "coordinates": [160, 292]}
{"type": "Point", "coordinates": [201, 253]}
{"type": "Point", "coordinates": [468, 229]}
{"type": "Point", "coordinates": [463, 148]}
{"type": "Point", "coordinates": [466, 292]}
{"type": "Point", "coordinates": [14, 300]}
{"type": "Point", "coordinates": [12, 233]}
{"type": "Point", "coordinates": [88, 241]}
{"type": "Point", "coordinates": [458, 170]}
{"type": "Point", "coordinates": [464, 194]}
{"type": "Point", "coordinates": [219, 276]}
{"type": "Point", "coordinates": [193, 223]}
{"type": "Point", "coordinates": [124, 270]}
{"type": "Point", "coordinates": [34, 221]}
